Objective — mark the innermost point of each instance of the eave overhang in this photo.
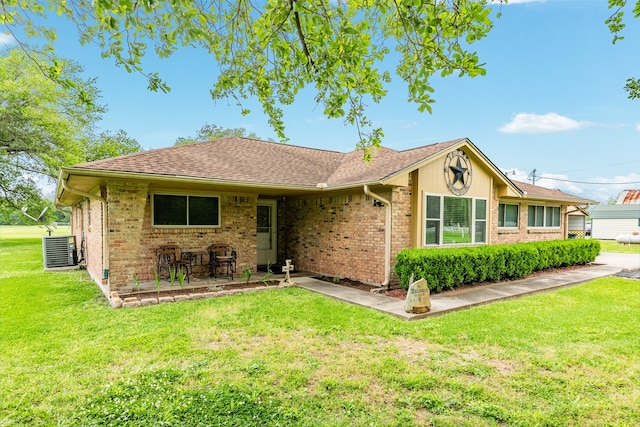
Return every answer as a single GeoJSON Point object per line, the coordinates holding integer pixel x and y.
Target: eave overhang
{"type": "Point", "coordinates": [88, 181]}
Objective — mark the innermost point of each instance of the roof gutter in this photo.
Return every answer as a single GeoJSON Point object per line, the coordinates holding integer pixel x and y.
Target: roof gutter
{"type": "Point", "coordinates": [387, 235]}
{"type": "Point", "coordinates": [72, 190]}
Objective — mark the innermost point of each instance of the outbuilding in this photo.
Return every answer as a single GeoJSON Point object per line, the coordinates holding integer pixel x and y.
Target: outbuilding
{"type": "Point", "coordinates": [610, 221]}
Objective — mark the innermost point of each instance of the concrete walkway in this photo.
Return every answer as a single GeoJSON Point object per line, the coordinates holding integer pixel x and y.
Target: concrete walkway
{"type": "Point", "coordinates": [606, 264]}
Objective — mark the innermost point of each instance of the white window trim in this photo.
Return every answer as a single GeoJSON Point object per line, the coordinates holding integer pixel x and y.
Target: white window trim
{"type": "Point", "coordinates": [506, 227]}
{"type": "Point", "coordinates": [472, 226]}
{"type": "Point", "coordinates": [545, 226]}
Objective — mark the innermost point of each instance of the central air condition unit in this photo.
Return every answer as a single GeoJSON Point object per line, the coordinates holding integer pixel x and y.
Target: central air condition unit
{"type": "Point", "coordinates": [59, 251]}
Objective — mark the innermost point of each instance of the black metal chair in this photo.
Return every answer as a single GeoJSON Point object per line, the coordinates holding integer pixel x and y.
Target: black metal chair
{"type": "Point", "coordinates": [171, 257]}
{"type": "Point", "coordinates": [222, 257]}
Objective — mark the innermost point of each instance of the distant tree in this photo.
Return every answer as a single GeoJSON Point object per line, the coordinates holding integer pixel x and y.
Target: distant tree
{"type": "Point", "coordinates": [43, 126]}
{"type": "Point", "coordinates": [616, 23]}
{"type": "Point", "coordinates": [9, 215]}
{"type": "Point", "coordinates": [108, 144]}
{"type": "Point", "coordinates": [271, 50]}
{"type": "Point", "coordinates": [613, 200]}
{"type": "Point", "coordinates": [209, 132]}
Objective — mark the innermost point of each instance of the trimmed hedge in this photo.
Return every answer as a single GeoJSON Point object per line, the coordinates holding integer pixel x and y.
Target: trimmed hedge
{"type": "Point", "coordinates": [449, 268]}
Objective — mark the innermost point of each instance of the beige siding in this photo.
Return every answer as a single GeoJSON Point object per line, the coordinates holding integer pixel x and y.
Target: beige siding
{"type": "Point", "coordinates": [609, 229]}
{"type": "Point", "coordinates": [431, 180]}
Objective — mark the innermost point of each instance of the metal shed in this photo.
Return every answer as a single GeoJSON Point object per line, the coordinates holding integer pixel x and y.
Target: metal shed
{"type": "Point", "coordinates": [609, 221]}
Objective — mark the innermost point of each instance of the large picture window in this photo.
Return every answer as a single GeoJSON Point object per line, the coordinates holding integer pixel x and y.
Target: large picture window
{"type": "Point", "coordinates": [507, 216]}
{"type": "Point", "coordinates": [455, 220]}
{"type": "Point", "coordinates": [185, 211]}
{"type": "Point", "coordinates": [543, 216]}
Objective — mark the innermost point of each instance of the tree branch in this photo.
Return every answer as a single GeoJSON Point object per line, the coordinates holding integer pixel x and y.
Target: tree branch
{"type": "Point", "coordinates": [303, 42]}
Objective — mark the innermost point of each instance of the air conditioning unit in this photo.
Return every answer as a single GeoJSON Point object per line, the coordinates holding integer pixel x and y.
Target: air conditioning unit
{"type": "Point", "coordinates": [59, 251]}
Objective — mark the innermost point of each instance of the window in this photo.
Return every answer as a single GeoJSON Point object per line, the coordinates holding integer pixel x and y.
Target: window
{"type": "Point", "coordinates": [544, 216]}
{"type": "Point", "coordinates": [455, 220]}
{"type": "Point", "coordinates": [432, 230]}
{"type": "Point", "coordinates": [553, 216]}
{"type": "Point", "coordinates": [481, 221]}
{"type": "Point", "coordinates": [507, 216]}
{"type": "Point", "coordinates": [185, 211]}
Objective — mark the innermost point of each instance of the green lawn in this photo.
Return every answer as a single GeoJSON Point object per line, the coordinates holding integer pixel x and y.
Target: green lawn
{"type": "Point", "coordinates": [293, 358]}
{"type": "Point", "coordinates": [25, 231]}
{"type": "Point", "coordinates": [613, 246]}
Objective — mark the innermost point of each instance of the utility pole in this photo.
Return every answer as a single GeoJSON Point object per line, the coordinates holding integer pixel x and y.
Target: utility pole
{"type": "Point", "coordinates": [532, 176]}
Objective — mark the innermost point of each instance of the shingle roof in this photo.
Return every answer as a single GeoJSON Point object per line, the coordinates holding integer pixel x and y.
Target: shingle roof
{"type": "Point", "coordinates": [236, 159]}
{"type": "Point", "coordinates": [254, 162]}
{"type": "Point", "coordinates": [535, 191]}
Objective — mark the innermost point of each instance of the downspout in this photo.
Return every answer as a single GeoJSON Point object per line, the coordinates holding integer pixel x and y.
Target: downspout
{"type": "Point", "coordinates": [105, 245]}
{"type": "Point", "coordinates": [387, 235]}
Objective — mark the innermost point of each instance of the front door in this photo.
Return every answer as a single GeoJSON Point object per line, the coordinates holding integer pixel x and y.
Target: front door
{"type": "Point", "coordinates": [267, 232]}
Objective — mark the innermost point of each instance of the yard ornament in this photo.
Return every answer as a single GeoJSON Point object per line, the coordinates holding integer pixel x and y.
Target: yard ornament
{"type": "Point", "coordinates": [418, 300]}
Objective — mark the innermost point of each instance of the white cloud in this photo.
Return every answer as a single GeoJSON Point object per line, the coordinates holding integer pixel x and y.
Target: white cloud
{"type": "Point", "coordinates": [606, 188]}
{"type": "Point", "coordinates": [560, 182]}
{"type": "Point", "coordinates": [599, 188]}
{"type": "Point", "coordinates": [545, 180]}
{"type": "Point", "coordinates": [638, 127]}
{"type": "Point", "coordinates": [6, 39]}
{"type": "Point", "coordinates": [408, 124]}
{"type": "Point", "coordinates": [547, 123]}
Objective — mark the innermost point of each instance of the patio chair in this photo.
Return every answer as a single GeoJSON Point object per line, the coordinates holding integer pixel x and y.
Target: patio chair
{"type": "Point", "coordinates": [171, 257]}
{"type": "Point", "coordinates": [222, 257]}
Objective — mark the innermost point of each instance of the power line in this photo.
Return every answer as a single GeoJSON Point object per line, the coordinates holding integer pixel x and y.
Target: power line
{"type": "Point", "coordinates": [585, 182]}
{"type": "Point", "coordinates": [600, 166]}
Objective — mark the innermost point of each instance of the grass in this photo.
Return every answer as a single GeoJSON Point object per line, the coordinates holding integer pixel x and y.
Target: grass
{"type": "Point", "coordinates": [613, 246]}
{"type": "Point", "coordinates": [27, 231]}
{"type": "Point", "coordinates": [293, 358]}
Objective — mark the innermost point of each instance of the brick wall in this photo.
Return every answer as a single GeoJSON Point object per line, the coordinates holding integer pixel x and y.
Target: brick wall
{"type": "Point", "coordinates": [133, 241]}
{"type": "Point", "coordinates": [344, 234]}
{"type": "Point", "coordinates": [125, 223]}
{"type": "Point", "coordinates": [401, 199]}
{"type": "Point", "coordinates": [341, 235]}
{"type": "Point", "coordinates": [86, 222]}
{"type": "Point", "coordinates": [523, 233]}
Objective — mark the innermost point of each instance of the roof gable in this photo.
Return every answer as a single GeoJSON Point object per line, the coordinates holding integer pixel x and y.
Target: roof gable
{"type": "Point", "coordinates": [385, 163]}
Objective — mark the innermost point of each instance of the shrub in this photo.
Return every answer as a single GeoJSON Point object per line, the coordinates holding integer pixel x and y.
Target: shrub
{"type": "Point", "coordinates": [449, 268]}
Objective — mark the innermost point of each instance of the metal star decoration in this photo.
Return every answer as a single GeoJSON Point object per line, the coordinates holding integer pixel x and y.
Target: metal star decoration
{"type": "Point", "coordinates": [458, 172]}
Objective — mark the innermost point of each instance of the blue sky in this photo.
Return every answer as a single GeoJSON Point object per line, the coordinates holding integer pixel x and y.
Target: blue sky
{"type": "Point", "coordinates": [552, 100]}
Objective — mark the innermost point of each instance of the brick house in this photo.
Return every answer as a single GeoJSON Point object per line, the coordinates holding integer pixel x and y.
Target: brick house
{"type": "Point", "coordinates": [329, 212]}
